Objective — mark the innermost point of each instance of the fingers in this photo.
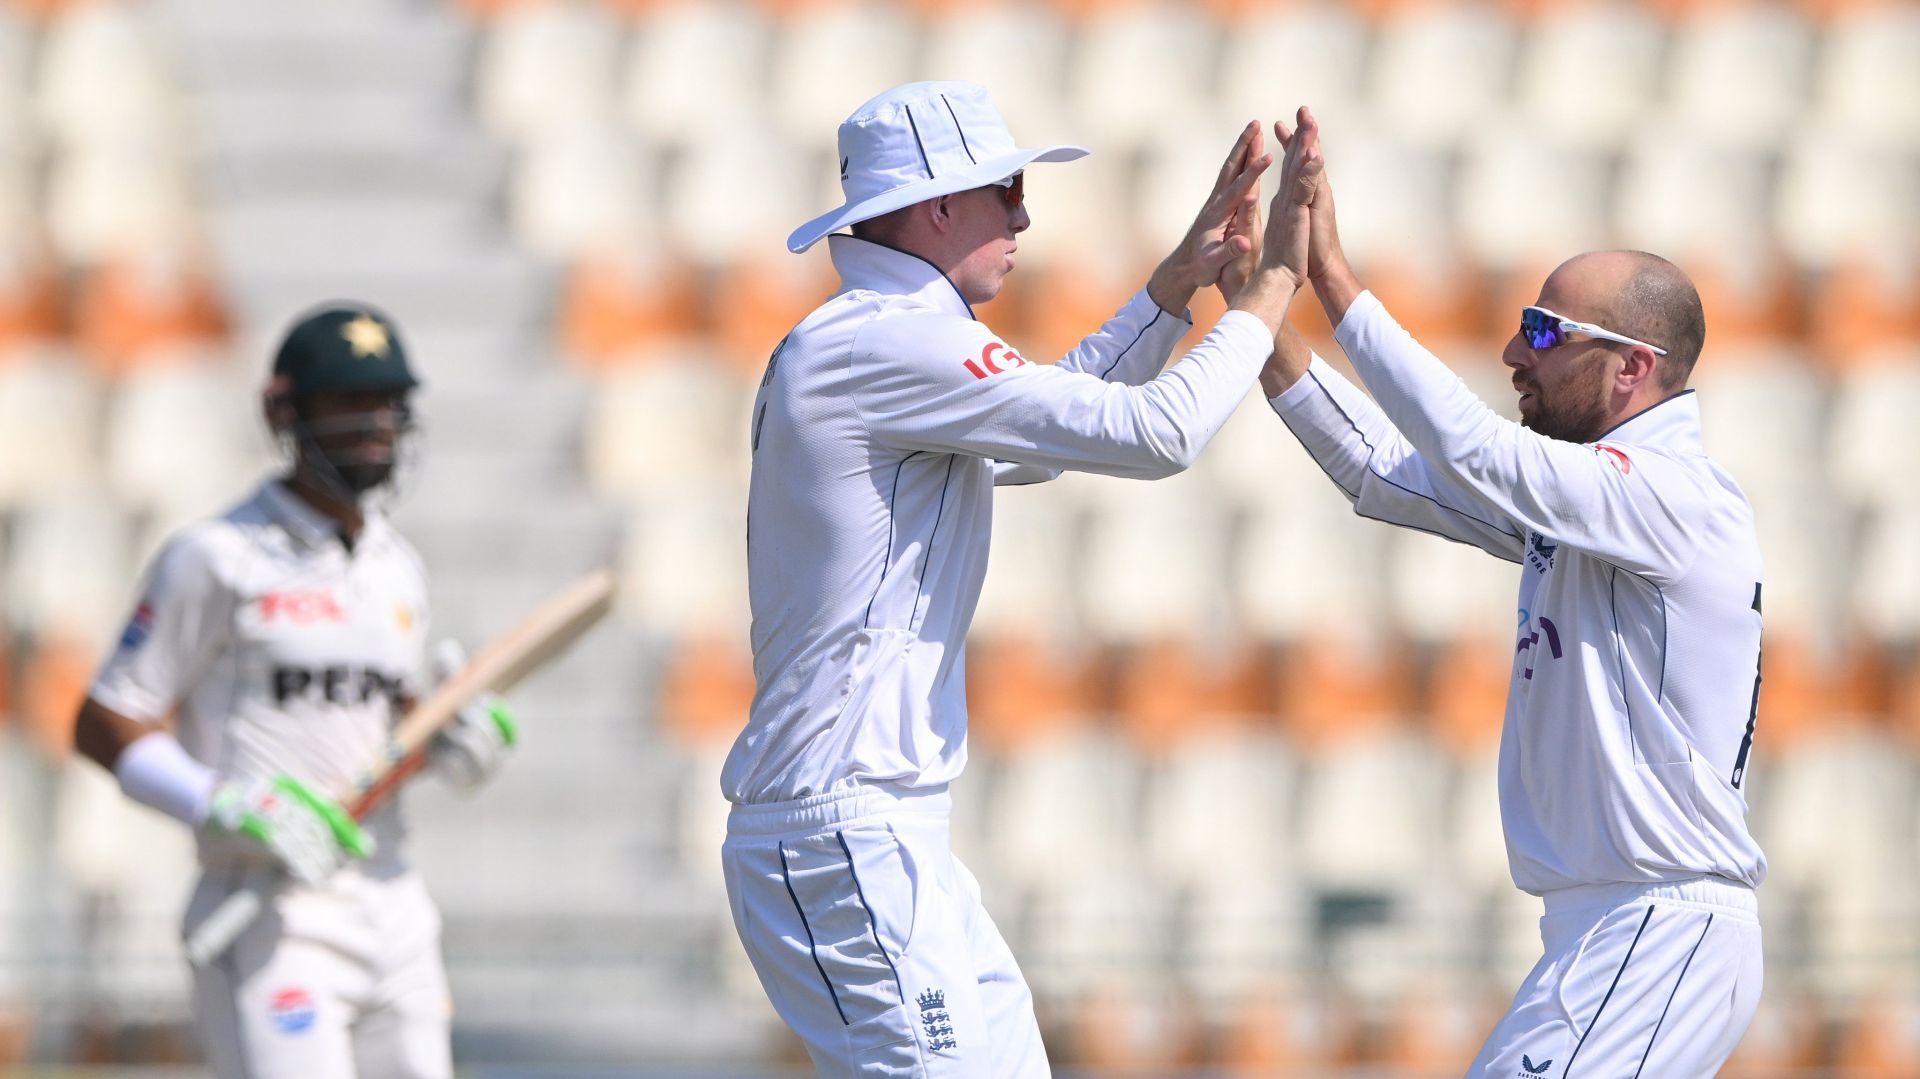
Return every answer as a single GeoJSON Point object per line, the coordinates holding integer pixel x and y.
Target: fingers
{"type": "Point", "coordinates": [1245, 147]}
{"type": "Point", "coordinates": [1307, 179]}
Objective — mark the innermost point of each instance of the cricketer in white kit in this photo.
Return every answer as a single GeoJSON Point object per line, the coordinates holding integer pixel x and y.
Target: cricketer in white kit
{"type": "Point", "coordinates": [883, 423]}
{"type": "Point", "coordinates": [1635, 679]}
{"type": "Point", "coordinates": [283, 639]}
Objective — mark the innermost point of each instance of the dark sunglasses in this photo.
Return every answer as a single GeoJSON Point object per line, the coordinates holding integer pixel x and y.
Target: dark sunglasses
{"type": "Point", "coordinates": [1542, 328]}
{"type": "Point", "coordinates": [1013, 189]}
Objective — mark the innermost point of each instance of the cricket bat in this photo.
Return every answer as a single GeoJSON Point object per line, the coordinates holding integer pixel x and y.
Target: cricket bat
{"type": "Point", "coordinates": [533, 642]}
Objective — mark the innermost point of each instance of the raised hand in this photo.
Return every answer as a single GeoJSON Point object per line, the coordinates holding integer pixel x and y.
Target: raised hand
{"type": "Point", "coordinates": [1290, 225]}
{"type": "Point", "coordinates": [1216, 237]}
{"type": "Point", "coordinates": [1323, 244]}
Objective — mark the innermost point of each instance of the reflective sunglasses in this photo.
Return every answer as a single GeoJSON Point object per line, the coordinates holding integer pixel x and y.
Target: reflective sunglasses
{"type": "Point", "coordinates": [1544, 329]}
{"type": "Point", "coordinates": [1013, 189]}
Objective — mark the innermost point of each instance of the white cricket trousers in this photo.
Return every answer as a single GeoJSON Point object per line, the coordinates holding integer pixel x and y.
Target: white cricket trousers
{"type": "Point", "coordinates": [1638, 982]}
{"type": "Point", "coordinates": [343, 981]}
{"type": "Point", "coordinates": [870, 940]}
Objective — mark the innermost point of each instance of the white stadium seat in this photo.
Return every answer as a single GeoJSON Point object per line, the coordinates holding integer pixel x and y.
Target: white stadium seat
{"type": "Point", "coordinates": [547, 62]}
{"type": "Point", "coordinates": [70, 574]}
{"type": "Point", "coordinates": [1438, 69]}
{"type": "Point", "coordinates": [1869, 84]}
{"type": "Point", "coordinates": [695, 68]}
{"type": "Point", "coordinates": [1839, 197]}
{"type": "Point", "coordinates": [49, 424]}
{"type": "Point", "coordinates": [1528, 200]}
{"type": "Point", "coordinates": [828, 59]}
{"type": "Point", "coordinates": [580, 188]}
{"type": "Point", "coordinates": [1019, 52]}
{"type": "Point", "coordinates": [1558, 58]}
{"type": "Point", "coordinates": [1278, 57]}
{"type": "Point", "coordinates": [105, 78]}
{"type": "Point", "coordinates": [1138, 71]}
{"type": "Point", "coordinates": [1737, 73]}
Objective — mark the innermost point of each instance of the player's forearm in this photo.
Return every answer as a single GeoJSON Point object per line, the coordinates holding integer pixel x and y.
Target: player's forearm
{"type": "Point", "coordinates": [1288, 364]}
{"type": "Point", "coordinates": [1172, 287]}
{"type": "Point", "coordinates": [1337, 287]}
{"type": "Point", "coordinates": [1132, 346]}
{"type": "Point", "coordinates": [1426, 402]}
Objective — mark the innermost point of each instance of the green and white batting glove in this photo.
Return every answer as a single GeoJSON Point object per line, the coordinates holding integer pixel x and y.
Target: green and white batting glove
{"type": "Point", "coordinates": [309, 834]}
{"type": "Point", "coordinates": [470, 750]}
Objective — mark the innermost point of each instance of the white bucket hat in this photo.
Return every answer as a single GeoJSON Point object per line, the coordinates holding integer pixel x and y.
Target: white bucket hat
{"type": "Point", "coordinates": [916, 142]}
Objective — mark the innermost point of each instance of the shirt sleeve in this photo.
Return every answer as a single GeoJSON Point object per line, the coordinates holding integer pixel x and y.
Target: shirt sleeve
{"type": "Point", "coordinates": [1384, 477]}
{"type": "Point", "coordinates": [940, 383]}
{"type": "Point", "coordinates": [182, 621]}
{"type": "Point", "coordinates": [1639, 510]}
{"type": "Point", "coordinates": [1132, 346]}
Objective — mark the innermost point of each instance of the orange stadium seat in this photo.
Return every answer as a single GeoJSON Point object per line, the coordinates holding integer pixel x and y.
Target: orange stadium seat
{"type": "Point", "coordinates": [1125, 1029]}
{"type": "Point", "coordinates": [1281, 1030]}
{"type": "Point", "coordinates": [53, 683]}
{"type": "Point", "coordinates": [1167, 689]}
{"type": "Point", "coordinates": [1785, 1039]}
{"type": "Point", "coordinates": [613, 306]}
{"type": "Point", "coordinates": [706, 687]}
{"type": "Point", "coordinates": [1436, 1028]}
{"type": "Point", "coordinates": [1021, 688]}
{"type": "Point", "coordinates": [1882, 1041]}
{"type": "Point", "coordinates": [130, 308]}
{"type": "Point", "coordinates": [760, 299]}
{"type": "Point", "coordinates": [30, 300]}
{"type": "Point", "coordinates": [1466, 694]}
{"type": "Point", "coordinates": [1330, 690]}
{"type": "Point", "coordinates": [1861, 307]}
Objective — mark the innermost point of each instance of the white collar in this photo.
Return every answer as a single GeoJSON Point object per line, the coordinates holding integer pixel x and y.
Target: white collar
{"type": "Point", "coordinates": [1673, 423]}
{"type": "Point", "coordinates": [309, 525]}
{"type": "Point", "coordinates": [864, 264]}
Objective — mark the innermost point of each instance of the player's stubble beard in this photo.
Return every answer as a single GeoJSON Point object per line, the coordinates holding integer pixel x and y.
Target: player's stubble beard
{"type": "Point", "coordinates": [1579, 407]}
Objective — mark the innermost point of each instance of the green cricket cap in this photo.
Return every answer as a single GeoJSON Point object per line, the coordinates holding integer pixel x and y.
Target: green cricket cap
{"type": "Point", "coordinates": [343, 348]}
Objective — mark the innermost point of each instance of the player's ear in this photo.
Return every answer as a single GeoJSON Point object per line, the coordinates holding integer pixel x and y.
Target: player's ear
{"type": "Point", "coordinates": [1641, 367]}
{"type": "Point", "coordinates": [276, 404]}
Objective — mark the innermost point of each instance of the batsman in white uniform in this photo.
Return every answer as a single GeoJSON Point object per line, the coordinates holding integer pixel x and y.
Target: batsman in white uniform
{"type": "Point", "coordinates": [1635, 679]}
{"type": "Point", "coordinates": [271, 652]}
{"type": "Point", "coordinates": [883, 423]}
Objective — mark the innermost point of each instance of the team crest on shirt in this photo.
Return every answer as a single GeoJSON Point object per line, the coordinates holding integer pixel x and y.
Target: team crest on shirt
{"type": "Point", "coordinates": [1530, 1070]}
{"type": "Point", "coordinates": [139, 627]}
{"type": "Point", "coordinates": [936, 1021]}
{"type": "Point", "coordinates": [1540, 552]}
{"type": "Point", "coordinates": [291, 1011]}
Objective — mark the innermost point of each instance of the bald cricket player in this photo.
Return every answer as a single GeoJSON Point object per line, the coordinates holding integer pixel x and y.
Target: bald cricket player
{"type": "Point", "coordinates": [271, 652]}
{"type": "Point", "coordinates": [1635, 682]}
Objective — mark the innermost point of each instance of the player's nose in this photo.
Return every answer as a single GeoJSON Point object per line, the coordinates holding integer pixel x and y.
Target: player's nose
{"type": "Point", "coordinates": [1516, 355]}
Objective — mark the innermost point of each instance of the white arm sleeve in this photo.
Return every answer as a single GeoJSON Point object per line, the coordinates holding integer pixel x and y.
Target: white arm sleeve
{"type": "Point", "coordinates": [945, 384]}
{"type": "Point", "coordinates": [1640, 511]}
{"type": "Point", "coordinates": [1130, 348]}
{"type": "Point", "coordinates": [1379, 472]}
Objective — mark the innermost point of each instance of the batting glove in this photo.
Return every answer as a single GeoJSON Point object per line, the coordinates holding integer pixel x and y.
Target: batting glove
{"type": "Point", "coordinates": [471, 750]}
{"type": "Point", "coordinates": [309, 834]}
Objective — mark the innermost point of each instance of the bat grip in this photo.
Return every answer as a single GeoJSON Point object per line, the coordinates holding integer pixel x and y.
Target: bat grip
{"type": "Point", "coordinates": [238, 911]}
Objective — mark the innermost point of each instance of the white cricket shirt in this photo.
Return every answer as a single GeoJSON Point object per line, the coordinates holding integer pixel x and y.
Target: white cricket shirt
{"type": "Point", "coordinates": [883, 422]}
{"type": "Point", "coordinates": [1636, 663]}
{"type": "Point", "coordinates": [276, 649]}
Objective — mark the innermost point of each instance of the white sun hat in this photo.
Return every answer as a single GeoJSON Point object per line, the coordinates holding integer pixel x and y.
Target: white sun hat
{"type": "Point", "coordinates": [916, 142]}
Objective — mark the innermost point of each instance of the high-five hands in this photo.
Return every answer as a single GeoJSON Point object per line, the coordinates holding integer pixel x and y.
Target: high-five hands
{"type": "Point", "coordinates": [1282, 265]}
{"type": "Point", "coordinates": [1212, 241]}
{"type": "Point", "coordinates": [1323, 244]}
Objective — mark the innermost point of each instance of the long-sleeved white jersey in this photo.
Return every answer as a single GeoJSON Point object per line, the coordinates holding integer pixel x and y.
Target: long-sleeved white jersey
{"type": "Point", "coordinates": [882, 424]}
{"type": "Point", "coordinates": [1636, 670]}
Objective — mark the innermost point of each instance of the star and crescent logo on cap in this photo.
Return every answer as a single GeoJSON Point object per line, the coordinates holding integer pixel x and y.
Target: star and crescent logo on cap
{"type": "Point", "coordinates": [367, 337]}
